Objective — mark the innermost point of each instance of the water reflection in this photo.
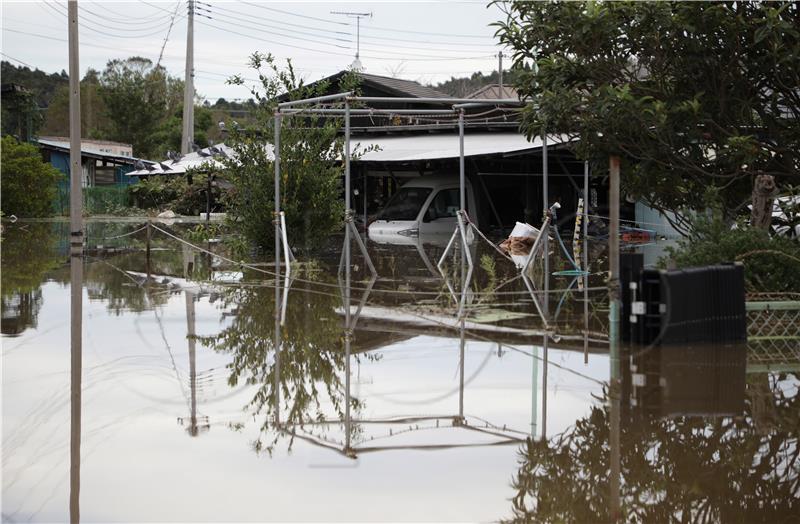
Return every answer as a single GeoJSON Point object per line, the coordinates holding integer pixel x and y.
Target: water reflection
{"type": "Point", "coordinates": [697, 443]}
{"type": "Point", "coordinates": [369, 375]}
{"type": "Point", "coordinates": [29, 252]}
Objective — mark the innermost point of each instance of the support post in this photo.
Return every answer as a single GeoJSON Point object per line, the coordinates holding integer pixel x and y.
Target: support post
{"type": "Point", "coordinates": [462, 191]}
{"type": "Point", "coordinates": [194, 429]}
{"type": "Point", "coordinates": [277, 186]}
{"type": "Point", "coordinates": [585, 226]}
{"type": "Point", "coordinates": [462, 347]}
{"type": "Point", "coordinates": [534, 391]}
{"type": "Point", "coordinates": [546, 230]}
{"type": "Point", "coordinates": [276, 219]}
{"type": "Point", "coordinates": [614, 324]}
{"type": "Point", "coordinates": [149, 234]}
{"type": "Point", "coordinates": [75, 165]}
{"type": "Point", "coordinates": [187, 136]}
{"type": "Point", "coordinates": [545, 343]}
{"type": "Point", "coordinates": [347, 156]}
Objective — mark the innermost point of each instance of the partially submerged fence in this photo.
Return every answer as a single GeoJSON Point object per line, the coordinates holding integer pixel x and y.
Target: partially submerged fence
{"type": "Point", "coordinates": [773, 334]}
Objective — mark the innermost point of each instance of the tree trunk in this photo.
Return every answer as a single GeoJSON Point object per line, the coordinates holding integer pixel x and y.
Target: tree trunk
{"type": "Point", "coordinates": [763, 191]}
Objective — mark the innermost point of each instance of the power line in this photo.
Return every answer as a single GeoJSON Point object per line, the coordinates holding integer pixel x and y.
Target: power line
{"type": "Point", "coordinates": [89, 27]}
{"type": "Point", "coordinates": [376, 39]}
{"type": "Point", "coordinates": [166, 38]}
{"type": "Point", "coordinates": [335, 53]}
{"type": "Point", "coordinates": [17, 60]}
{"type": "Point", "coordinates": [127, 18]}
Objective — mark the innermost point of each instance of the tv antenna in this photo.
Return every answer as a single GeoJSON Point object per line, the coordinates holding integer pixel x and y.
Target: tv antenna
{"type": "Point", "coordinates": [356, 65]}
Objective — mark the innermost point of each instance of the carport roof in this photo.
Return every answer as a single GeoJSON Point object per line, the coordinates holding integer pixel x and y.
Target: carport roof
{"type": "Point", "coordinates": [443, 146]}
{"type": "Point", "coordinates": [400, 148]}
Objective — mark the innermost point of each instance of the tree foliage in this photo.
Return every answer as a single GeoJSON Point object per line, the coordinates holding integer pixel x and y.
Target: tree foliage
{"type": "Point", "coordinates": [29, 184]}
{"type": "Point", "coordinates": [310, 152]}
{"type": "Point", "coordinates": [690, 94]}
{"type": "Point", "coordinates": [139, 97]}
{"type": "Point", "coordinates": [308, 373]}
{"type": "Point", "coordinates": [771, 264]}
{"type": "Point", "coordinates": [687, 469]}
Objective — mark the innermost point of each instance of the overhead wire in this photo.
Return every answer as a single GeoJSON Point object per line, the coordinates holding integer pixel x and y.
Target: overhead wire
{"type": "Point", "coordinates": [336, 35]}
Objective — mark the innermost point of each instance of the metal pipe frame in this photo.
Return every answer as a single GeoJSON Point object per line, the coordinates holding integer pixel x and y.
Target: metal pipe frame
{"type": "Point", "coordinates": [489, 102]}
{"type": "Point", "coordinates": [430, 100]}
{"type": "Point", "coordinates": [316, 99]}
{"type": "Point", "coordinates": [370, 111]}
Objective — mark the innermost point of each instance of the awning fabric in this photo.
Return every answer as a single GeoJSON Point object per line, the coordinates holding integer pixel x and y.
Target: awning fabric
{"type": "Point", "coordinates": [401, 148]}
{"type": "Point", "coordinates": [441, 146]}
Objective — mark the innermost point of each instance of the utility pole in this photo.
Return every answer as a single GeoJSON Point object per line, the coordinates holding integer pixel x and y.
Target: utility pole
{"type": "Point", "coordinates": [76, 263]}
{"type": "Point", "coordinates": [75, 167]}
{"type": "Point", "coordinates": [356, 65]}
{"type": "Point", "coordinates": [187, 138]}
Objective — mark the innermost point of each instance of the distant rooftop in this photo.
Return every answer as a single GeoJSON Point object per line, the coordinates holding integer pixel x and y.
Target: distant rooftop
{"type": "Point", "coordinates": [377, 85]}
{"type": "Point", "coordinates": [494, 91]}
{"type": "Point", "coordinates": [407, 88]}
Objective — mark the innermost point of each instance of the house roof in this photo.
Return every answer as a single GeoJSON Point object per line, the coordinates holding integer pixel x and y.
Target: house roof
{"type": "Point", "coordinates": [405, 88]}
{"type": "Point", "coordinates": [495, 91]}
{"type": "Point", "coordinates": [86, 151]}
{"type": "Point", "coordinates": [384, 85]}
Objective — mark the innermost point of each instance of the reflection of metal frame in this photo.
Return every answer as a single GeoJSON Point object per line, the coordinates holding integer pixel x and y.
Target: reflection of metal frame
{"type": "Point", "coordinates": [347, 448]}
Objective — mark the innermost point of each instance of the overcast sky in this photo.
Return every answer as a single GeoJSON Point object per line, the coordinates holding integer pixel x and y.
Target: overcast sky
{"type": "Point", "coordinates": [422, 41]}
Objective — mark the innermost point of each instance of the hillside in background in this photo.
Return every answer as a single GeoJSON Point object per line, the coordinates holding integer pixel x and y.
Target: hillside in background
{"type": "Point", "coordinates": [42, 85]}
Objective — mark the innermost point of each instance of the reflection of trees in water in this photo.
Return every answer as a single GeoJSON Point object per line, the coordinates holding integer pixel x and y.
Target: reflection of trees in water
{"type": "Point", "coordinates": [29, 252]}
{"type": "Point", "coordinates": [687, 469]}
{"type": "Point", "coordinates": [20, 311]}
{"type": "Point", "coordinates": [311, 360]}
{"type": "Point", "coordinates": [107, 280]}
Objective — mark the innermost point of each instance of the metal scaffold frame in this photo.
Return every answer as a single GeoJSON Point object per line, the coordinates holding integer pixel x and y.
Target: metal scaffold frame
{"type": "Point", "coordinates": [312, 106]}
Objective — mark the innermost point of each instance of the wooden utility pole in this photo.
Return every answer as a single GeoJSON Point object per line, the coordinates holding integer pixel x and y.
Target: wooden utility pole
{"type": "Point", "coordinates": [187, 137]}
{"type": "Point", "coordinates": [76, 264]}
{"type": "Point", "coordinates": [75, 167]}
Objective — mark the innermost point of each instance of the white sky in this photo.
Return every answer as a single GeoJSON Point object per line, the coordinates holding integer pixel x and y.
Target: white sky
{"type": "Point", "coordinates": [422, 41]}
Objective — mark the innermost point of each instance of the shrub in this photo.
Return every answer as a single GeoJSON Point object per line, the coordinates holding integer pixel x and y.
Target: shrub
{"type": "Point", "coordinates": [771, 264]}
{"type": "Point", "coordinates": [29, 185]}
{"type": "Point", "coordinates": [311, 169]}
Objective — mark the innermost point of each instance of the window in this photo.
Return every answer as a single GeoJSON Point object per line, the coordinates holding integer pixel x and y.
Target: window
{"type": "Point", "coordinates": [445, 204]}
{"type": "Point", "coordinates": [405, 204]}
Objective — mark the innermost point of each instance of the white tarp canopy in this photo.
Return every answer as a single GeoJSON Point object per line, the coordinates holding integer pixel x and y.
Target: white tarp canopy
{"type": "Point", "coordinates": [401, 148]}
{"type": "Point", "coordinates": [440, 146]}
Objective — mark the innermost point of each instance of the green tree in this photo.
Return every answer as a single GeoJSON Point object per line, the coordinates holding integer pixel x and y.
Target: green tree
{"type": "Point", "coordinates": [690, 94]}
{"type": "Point", "coordinates": [311, 169]}
{"type": "Point", "coordinates": [685, 469]}
{"type": "Point", "coordinates": [139, 97]}
{"type": "Point", "coordinates": [168, 135]}
{"type": "Point", "coordinates": [95, 122]}
{"type": "Point", "coordinates": [29, 184]}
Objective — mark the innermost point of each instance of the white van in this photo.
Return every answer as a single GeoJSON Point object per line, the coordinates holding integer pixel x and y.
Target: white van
{"type": "Point", "coordinates": [424, 207]}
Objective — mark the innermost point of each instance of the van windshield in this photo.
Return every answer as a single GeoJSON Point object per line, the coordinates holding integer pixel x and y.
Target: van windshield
{"type": "Point", "coordinates": [405, 204]}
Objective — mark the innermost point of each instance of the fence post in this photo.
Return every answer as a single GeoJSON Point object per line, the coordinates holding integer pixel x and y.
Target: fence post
{"type": "Point", "coordinates": [147, 250]}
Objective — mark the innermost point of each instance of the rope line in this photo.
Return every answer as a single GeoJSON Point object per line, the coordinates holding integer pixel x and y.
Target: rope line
{"type": "Point", "coordinates": [336, 286]}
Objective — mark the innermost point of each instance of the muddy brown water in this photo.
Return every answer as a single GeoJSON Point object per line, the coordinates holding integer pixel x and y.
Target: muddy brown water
{"type": "Point", "coordinates": [187, 413]}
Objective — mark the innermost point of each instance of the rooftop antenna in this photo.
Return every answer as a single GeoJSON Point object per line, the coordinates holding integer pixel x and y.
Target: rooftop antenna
{"type": "Point", "coordinates": [356, 65]}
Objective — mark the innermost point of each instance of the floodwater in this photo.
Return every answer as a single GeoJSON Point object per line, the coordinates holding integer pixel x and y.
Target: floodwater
{"type": "Point", "coordinates": [425, 403]}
